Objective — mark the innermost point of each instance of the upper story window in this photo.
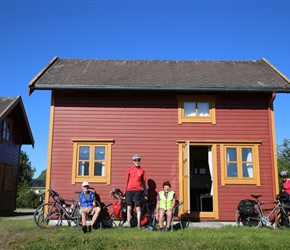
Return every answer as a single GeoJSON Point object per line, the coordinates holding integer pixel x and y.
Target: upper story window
{"type": "Point", "coordinates": [240, 164]}
{"type": "Point", "coordinates": [92, 161]}
{"type": "Point", "coordinates": [196, 108]}
{"type": "Point", "coordinates": [6, 131]}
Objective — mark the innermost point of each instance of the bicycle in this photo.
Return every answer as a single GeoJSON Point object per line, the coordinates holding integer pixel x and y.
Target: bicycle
{"type": "Point", "coordinates": [118, 209]}
{"type": "Point", "coordinates": [276, 217]}
{"type": "Point", "coordinates": [51, 214]}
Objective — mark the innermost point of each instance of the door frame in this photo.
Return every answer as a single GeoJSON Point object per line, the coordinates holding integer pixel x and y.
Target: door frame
{"type": "Point", "coordinates": [184, 182]}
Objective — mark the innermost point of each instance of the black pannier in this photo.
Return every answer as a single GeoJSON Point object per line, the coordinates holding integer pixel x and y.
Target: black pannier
{"type": "Point", "coordinates": [246, 207]}
{"type": "Point", "coordinates": [283, 196]}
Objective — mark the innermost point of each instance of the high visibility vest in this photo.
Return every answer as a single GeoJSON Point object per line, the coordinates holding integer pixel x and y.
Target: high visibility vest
{"type": "Point", "coordinates": [166, 203]}
{"type": "Point", "coordinates": [85, 202]}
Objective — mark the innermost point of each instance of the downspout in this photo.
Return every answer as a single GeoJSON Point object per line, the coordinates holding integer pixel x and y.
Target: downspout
{"type": "Point", "coordinates": [273, 143]}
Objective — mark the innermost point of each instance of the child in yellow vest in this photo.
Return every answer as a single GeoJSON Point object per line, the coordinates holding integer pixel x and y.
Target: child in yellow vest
{"type": "Point", "coordinates": [165, 204]}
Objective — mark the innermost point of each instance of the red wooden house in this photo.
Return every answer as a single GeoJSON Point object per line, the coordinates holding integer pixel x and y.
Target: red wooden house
{"type": "Point", "coordinates": [14, 132]}
{"type": "Point", "coordinates": [206, 126]}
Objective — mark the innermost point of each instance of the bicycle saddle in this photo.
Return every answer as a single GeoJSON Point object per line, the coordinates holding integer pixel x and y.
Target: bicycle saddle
{"type": "Point", "coordinates": [256, 196]}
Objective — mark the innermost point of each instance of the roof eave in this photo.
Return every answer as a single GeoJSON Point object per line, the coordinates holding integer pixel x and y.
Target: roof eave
{"type": "Point", "coordinates": [32, 82]}
{"type": "Point", "coordinates": [157, 88]}
{"type": "Point", "coordinates": [18, 101]}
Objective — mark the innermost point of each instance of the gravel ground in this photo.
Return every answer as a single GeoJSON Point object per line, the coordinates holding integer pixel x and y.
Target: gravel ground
{"type": "Point", "coordinates": [19, 214]}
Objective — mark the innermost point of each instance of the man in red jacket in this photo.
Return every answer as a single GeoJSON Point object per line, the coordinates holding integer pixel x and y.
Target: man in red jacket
{"type": "Point", "coordinates": [135, 185]}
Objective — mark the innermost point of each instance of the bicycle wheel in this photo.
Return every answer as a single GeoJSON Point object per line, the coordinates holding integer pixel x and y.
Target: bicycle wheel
{"type": "Point", "coordinates": [248, 220]}
{"type": "Point", "coordinates": [76, 216]}
{"type": "Point", "coordinates": [282, 218]}
{"type": "Point", "coordinates": [47, 216]}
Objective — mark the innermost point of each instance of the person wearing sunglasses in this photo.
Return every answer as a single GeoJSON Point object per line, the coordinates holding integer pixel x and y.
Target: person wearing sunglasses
{"type": "Point", "coordinates": [134, 188]}
{"type": "Point", "coordinates": [285, 182]}
{"type": "Point", "coordinates": [88, 205]}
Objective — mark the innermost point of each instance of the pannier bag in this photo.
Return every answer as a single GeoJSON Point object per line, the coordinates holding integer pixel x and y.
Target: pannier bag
{"type": "Point", "coordinates": [117, 209]}
{"type": "Point", "coordinates": [145, 220]}
{"type": "Point", "coordinates": [283, 196]}
{"type": "Point", "coordinates": [246, 207]}
{"type": "Point", "coordinates": [120, 209]}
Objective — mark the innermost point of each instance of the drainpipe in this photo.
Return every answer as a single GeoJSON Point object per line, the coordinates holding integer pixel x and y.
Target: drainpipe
{"type": "Point", "coordinates": [272, 99]}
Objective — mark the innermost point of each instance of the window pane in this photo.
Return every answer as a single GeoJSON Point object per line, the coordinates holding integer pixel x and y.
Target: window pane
{"type": "Point", "coordinates": [247, 154]}
{"type": "Point", "coordinates": [247, 158]}
{"type": "Point", "coordinates": [203, 109]}
{"type": "Point", "coordinates": [232, 170]}
{"type": "Point", "coordinates": [99, 169]}
{"type": "Point", "coordinates": [100, 153]}
{"type": "Point", "coordinates": [83, 168]}
{"type": "Point", "coordinates": [6, 131]}
{"type": "Point", "coordinates": [247, 170]}
{"type": "Point", "coordinates": [84, 153]}
{"type": "Point", "coordinates": [231, 154]}
{"type": "Point", "coordinates": [189, 108]}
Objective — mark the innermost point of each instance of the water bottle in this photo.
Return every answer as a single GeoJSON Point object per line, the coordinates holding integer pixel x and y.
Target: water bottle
{"type": "Point", "coordinates": [64, 206]}
{"type": "Point", "coordinates": [71, 208]}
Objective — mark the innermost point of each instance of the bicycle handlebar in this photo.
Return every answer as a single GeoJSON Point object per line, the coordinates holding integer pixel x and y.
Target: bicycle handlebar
{"type": "Point", "coordinates": [55, 195]}
{"type": "Point", "coordinates": [117, 194]}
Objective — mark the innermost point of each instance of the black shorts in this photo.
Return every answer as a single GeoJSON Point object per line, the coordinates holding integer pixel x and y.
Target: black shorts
{"type": "Point", "coordinates": [136, 195]}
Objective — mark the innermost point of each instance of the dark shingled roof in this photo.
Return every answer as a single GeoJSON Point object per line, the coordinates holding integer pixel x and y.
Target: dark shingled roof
{"type": "Point", "coordinates": [8, 105]}
{"type": "Point", "coordinates": [5, 104]}
{"type": "Point", "coordinates": [254, 75]}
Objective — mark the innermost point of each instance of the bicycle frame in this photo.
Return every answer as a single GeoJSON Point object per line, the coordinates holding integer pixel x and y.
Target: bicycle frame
{"type": "Point", "coordinates": [146, 208]}
{"type": "Point", "coordinates": [275, 216]}
{"type": "Point", "coordinates": [54, 211]}
{"type": "Point", "coordinates": [265, 220]}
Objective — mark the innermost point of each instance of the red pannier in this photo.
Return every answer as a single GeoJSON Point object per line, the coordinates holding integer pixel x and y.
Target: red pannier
{"type": "Point", "coordinates": [117, 209]}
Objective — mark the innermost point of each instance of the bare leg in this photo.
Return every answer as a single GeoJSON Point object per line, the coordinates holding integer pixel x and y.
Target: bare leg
{"type": "Point", "coordinates": [95, 216]}
{"type": "Point", "coordinates": [138, 210]}
{"type": "Point", "coordinates": [129, 208]}
{"type": "Point", "coordinates": [169, 218]}
{"type": "Point", "coordinates": [161, 218]}
{"type": "Point", "coordinates": [84, 220]}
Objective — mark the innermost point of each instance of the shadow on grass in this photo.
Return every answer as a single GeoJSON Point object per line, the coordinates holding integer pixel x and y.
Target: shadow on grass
{"type": "Point", "coordinates": [16, 213]}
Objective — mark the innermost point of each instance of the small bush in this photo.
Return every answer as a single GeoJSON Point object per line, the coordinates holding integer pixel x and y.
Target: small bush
{"type": "Point", "coordinates": [27, 199]}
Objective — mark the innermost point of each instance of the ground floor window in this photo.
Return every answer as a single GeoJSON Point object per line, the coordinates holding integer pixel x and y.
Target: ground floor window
{"type": "Point", "coordinates": [92, 160]}
{"type": "Point", "coordinates": [240, 164]}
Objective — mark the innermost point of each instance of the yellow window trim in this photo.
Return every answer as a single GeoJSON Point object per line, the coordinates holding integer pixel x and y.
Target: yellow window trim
{"type": "Point", "coordinates": [92, 143]}
{"type": "Point", "coordinates": [196, 98]}
{"type": "Point", "coordinates": [255, 180]}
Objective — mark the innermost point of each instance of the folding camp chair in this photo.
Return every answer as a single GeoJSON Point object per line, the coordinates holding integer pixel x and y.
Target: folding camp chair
{"type": "Point", "coordinates": [176, 214]}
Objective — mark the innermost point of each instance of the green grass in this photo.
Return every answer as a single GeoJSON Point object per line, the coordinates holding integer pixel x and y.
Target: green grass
{"type": "Point", "coordinates": [24, 234]}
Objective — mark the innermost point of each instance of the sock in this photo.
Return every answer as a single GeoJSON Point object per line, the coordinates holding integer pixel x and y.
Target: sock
{"type": "Point", "coordinates": [138, 223]}
{"type": "Point", "coordinates": [129, 223]}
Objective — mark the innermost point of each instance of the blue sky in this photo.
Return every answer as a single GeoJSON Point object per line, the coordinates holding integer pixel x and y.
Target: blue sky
{"type": "Point", "coordinates": [33, 32]}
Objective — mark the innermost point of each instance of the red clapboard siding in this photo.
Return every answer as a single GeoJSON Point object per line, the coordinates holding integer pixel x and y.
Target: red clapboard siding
{"type": "Point", "coordinates": [147, 123]}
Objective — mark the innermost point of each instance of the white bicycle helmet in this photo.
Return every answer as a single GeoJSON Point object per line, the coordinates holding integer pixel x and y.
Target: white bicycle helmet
{"type": "Point", "coordinates": [136, 157]}
{"type": "Point", "coordinates": [284, 174]}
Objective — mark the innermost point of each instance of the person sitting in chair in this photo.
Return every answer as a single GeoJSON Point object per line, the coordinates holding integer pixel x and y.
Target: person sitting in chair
{"type": "Point", "coordinates": [166, 200]}
{"type": "Point", "coordinates": [88, 205]}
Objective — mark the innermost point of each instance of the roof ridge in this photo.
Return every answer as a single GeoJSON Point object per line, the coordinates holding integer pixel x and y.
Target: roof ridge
{"type": "Point", "coordinates": [155, 60]}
